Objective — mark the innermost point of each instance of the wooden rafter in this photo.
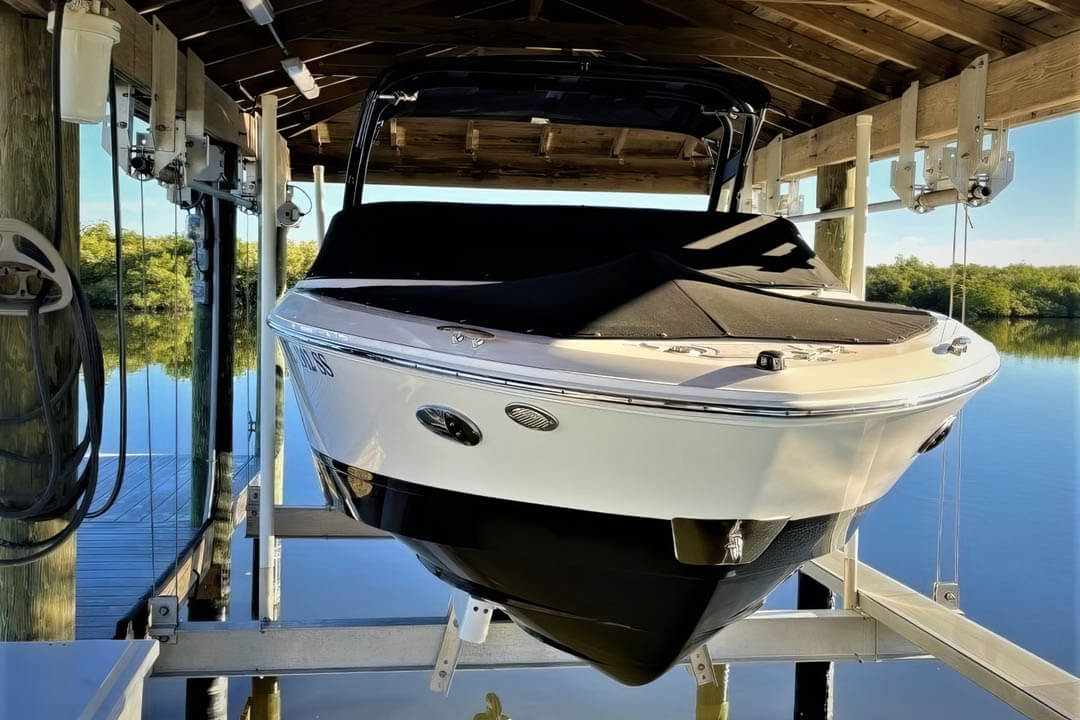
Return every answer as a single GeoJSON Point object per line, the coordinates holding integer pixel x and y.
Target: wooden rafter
{"type": "Point", "coordinates": [800, 82]}
{"type": "Point", "coordinates": [877, 37]}
{"type": "Point", "coordinates": [493, 33]}
{"type": "Point", "coordinates": [1021, 87]}
{"type": "Point", "coordinates": [785, 43]}
{"type": "Point", "coordinates": [996, 34]}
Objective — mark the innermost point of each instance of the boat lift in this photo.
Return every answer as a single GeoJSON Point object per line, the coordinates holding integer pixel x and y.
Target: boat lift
{"type": "Point", "coordinates": [881, 619]}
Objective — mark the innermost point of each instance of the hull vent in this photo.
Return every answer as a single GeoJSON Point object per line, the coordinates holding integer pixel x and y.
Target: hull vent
{"type": "Point", "coordinates": [531, 417]}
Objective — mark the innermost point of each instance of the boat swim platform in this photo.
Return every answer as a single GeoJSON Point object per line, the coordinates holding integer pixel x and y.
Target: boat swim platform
{"type": "Point", "coordinates": [138, 548]}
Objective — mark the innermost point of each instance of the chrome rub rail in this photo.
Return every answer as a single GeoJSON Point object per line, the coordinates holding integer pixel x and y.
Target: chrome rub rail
{"type": "Point", "coordinates": [637, 401]}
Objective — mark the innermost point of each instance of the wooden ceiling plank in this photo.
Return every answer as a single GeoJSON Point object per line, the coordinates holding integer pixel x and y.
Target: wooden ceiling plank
{"type": "Point", "coordinates": [876, 37]}
{"type": "Point", "coordinates": [797, 81]}
{"type": "Point", "coordinates": [36, 8]}
{"type": "Point", "coordinates": [300, 123]}
{"type": "Point", "coordinates": [785, 43]}
{"type": "Point", "coordinates": [994, 33]}
{"type": "Point", "coordinates": [194, 18]}
{"type": "Point", "coordinates": [1024, 87]}
{"type": "Point", "coordinates": [498, 33]}
{"type": "Point", "coordinates": [1064, 7]}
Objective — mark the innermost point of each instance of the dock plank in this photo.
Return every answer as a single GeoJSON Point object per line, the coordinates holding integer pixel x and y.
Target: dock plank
{"type": "Point", "coordinates": [128, 550]}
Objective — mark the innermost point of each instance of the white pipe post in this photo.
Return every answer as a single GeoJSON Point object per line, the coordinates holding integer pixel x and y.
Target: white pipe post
{"type": "Point", "coordinates": [851, 572]}
{"type": "Point", "coordinates": [268, 191]}
{"type": "Point", "coordinates": [862, 185]}
{"type": "Point", "coordinates": [318, 174]}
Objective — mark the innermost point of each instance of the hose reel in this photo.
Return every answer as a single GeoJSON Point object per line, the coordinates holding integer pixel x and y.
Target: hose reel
{"type": "Point", "coordinates": [27, 262]}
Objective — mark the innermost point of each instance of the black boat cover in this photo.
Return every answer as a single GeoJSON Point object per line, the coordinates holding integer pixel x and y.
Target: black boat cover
{"type": "Point", "coordinates": [598, 272]}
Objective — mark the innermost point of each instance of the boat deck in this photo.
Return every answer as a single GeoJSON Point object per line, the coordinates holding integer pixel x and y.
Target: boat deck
{"type": "Point", "coordinates": [135, 545]}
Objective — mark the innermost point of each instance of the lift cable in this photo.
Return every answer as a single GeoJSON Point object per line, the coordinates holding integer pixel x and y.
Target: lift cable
{"type": "Point", "coordinates": [960, 414]}
{"type": "Point", "coordinates": [55, 501]}
{"type": "Point", "coordinates": [176, 402]}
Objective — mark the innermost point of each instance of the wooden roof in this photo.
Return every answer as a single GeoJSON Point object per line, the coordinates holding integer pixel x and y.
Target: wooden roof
{"type": "Point", "coordinates": [822, 60]}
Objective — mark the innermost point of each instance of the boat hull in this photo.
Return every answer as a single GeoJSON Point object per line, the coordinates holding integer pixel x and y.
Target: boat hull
{"type": "Point", "coordinates": [606, 588]}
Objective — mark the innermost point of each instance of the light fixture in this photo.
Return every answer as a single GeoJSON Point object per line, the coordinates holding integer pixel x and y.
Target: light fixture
{"type": "Point", "coordinates": [261, 11]}
{"type": "Point", "coordinates": [301, 77]}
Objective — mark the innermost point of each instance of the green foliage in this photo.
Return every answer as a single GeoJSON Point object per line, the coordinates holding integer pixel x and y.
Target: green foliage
{"type": "Point", "coordinates": [163, 268]}
{"type": "Point", "coordinates": [1012, 291]}
{"type": "Point", "coordinates": [157, 275]}
{"type": "Point", "coordinates": [299, 258]}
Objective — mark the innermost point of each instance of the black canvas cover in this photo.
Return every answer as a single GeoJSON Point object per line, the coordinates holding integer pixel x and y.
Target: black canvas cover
{"type": "Point", "coordinates": [464, 241]}
{"type": "Point", "coordinates": [591, 284]}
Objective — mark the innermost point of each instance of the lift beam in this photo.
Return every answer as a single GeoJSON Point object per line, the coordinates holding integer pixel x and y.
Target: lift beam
{"type": "Point", "coordinates": [411, 644]}
{"type": "Point", "coordinates": [1022, 679]}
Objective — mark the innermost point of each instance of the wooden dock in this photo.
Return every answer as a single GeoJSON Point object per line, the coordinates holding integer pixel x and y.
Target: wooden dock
{"type": "Point", "coordinates": [135, 546]}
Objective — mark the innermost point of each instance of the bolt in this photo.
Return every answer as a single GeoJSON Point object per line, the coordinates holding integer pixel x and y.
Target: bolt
{"type": "Point", "coordinates": [700, 666]}
{"type": "Point", "coordinates": [163, 610]}
{"type": "Point", "coordinates": [950, 596]}
{"type": "Point", "coordinates": [442, 673]}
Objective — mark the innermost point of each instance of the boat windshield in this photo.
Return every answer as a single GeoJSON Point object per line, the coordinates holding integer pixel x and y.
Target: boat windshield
{"type": "Point", "coordinates": [565, 123]}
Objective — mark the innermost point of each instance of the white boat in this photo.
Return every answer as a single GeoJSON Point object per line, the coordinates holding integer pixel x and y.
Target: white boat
{"type": "Point", "coordinates": [622, 426]}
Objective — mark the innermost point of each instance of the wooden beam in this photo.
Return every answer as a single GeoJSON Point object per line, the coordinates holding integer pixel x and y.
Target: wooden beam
{"type": "Point", "coordinates": [797, 81]}
{"type": "Point", "coordinates": [193, 18]}
{"type": "Point", "coordinates": [33, 8]}
{"type": "Point", "coordinates": [1020, 88]}
{"type": "Point", "coordinates": [877, 37]}
{"type": "Point", "coordinates": [996, 34]}
{"type": "Point", "coordinates": [498, 33]}
{"type": "Point", "coordinates": [327, 96]}
{"type": "Point", "coordinates": [299, 123]}
{"type": "Point", "coordinates": [785, 43]}
{"type": "Point", "coordinates": [1063, 7]}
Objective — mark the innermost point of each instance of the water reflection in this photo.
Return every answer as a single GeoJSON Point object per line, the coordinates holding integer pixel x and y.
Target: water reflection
{"type": "Point", "coordinates": [166, 340]}
{"type": "Point", "coordinates": [1046, 338]}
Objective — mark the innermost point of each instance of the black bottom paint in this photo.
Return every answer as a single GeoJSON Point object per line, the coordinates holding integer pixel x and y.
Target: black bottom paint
{"type": "Point", "coordinates": [606, 588]}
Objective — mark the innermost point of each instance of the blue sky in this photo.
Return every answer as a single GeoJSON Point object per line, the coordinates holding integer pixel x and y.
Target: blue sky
{"type": "Point", "coordinates": [1035, 220]}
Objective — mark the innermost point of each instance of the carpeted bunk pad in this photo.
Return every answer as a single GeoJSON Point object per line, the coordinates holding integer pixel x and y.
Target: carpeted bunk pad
{"type": "Point", "coordinates": [640, 293]}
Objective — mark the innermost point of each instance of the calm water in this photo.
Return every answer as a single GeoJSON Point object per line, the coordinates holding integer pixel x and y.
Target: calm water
{"type": "Point", "coordinates": [1018, 558]}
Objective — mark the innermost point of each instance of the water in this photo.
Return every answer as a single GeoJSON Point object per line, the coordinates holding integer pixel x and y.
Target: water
{"type": "Point", "coordinates": [1018, 558]}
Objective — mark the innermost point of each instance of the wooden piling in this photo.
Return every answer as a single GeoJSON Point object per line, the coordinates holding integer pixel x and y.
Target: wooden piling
{"type": "Point", "coordinates": [833, 238]}
{"type": "Point", "coordinates": [207, 698]}
{"type": "Point", "coordinates": [38, 600]}
{"type": "Point", "coordinates": [813, 680]}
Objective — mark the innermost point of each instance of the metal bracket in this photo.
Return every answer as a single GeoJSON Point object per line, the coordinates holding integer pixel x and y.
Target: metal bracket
{"type": "Point", "coordinates": [969, 167]}
{"type": "Point", "coordinates": [168, 142]}
{"type": "Point", "coordinates": [125, 115]}
{"type": "Point", "coordinates": [902, 176]}
{"type": "Point", "coordinates": [700, 665]}
{"type": "Point", "coordinates": [447, 658]}
{"type": "Point", "coordinates": [164, 618]}
{"type": "Point", "coordinates": [947, 594]}
{"type": "Point", "coordinates": [776, 203]}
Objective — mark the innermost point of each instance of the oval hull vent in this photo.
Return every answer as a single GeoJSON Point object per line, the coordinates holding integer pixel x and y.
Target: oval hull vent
{"type": "Point", "coordinates": [531, 417]}
{"type": "Point", "coordinates": [449, 424]}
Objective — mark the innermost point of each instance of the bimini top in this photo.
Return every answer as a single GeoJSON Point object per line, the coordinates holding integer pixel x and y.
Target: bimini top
{"type": "Point", "coordinates": [594, 272]}
{"type": "Point", "coordinates": [686, 99]}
